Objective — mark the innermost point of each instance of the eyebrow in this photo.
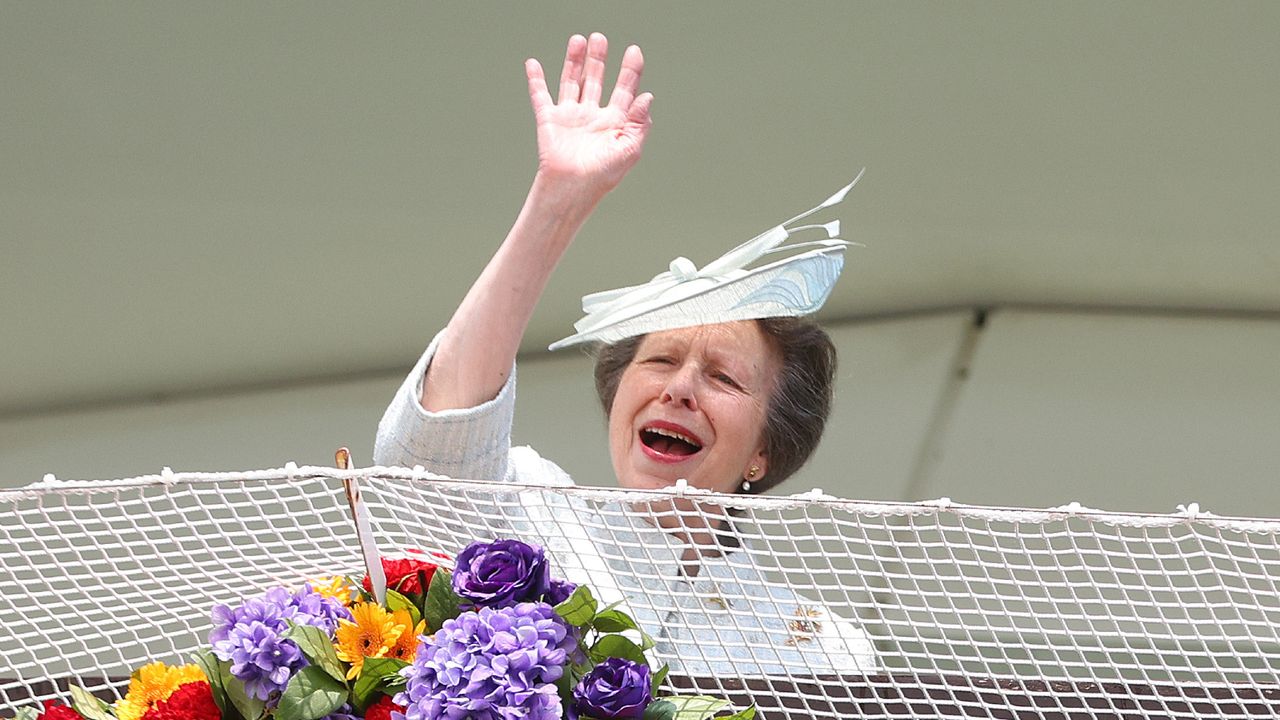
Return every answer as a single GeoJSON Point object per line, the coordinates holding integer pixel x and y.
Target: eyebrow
{"type": "Point", "coordinates": [741, 366]}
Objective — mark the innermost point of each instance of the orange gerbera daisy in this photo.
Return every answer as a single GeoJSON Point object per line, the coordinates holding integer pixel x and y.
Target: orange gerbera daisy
{"type": "Point", "coordinates": [370, 634]}
{"type": "Point", "coordinates": [154, 683]}
{"type": "Point", "coordinates": [406, 646]}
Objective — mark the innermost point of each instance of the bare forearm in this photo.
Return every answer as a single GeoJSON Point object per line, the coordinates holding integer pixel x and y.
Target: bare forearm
{"type": "Point", "coordinates": [584, 150]}
{"type": "Point", "coordinates": [477, 351]}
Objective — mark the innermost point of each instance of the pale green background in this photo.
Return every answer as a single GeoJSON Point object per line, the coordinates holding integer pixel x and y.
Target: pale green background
{"type": "Point", "coordinates": [227, 228]}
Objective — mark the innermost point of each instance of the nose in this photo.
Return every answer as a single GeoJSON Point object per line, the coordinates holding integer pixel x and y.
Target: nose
{"type": "Point", "coordinates": [681, 387]}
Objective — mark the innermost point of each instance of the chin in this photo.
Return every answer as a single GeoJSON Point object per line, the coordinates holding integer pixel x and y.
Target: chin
{"type": "Point", "coordinates": [646, 482]}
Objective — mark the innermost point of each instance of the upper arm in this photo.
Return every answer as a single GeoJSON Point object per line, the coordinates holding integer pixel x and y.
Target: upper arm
{"type": "Point", "coordinates": [468, 443]}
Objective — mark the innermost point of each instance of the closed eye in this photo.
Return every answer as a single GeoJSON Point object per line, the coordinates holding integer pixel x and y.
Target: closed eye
{"type": "Point", "coordinates": [728, 381]}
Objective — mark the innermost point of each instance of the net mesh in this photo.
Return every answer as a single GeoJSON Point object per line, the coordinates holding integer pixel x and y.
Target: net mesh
{"type": "Point", "coordinates": [808, 606]}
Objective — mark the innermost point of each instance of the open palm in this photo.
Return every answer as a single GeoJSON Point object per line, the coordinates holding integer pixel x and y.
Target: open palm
{"type": "Point", "coordinates": [579, 141]}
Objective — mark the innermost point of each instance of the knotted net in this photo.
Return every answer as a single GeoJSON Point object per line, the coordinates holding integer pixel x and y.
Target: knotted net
{"type": "Point", "coordinates": [809, 606]}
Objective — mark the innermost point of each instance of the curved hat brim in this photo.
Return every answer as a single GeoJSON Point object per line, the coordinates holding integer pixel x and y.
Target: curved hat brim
{"type": "Point", "coordinates": [792, 287]}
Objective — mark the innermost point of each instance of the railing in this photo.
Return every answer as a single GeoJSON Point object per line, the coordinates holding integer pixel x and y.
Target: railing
{"type": "Point", "coordinates": [811, 606]}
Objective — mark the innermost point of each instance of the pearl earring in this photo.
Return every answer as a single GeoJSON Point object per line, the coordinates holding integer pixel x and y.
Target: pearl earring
{"type": "Point", "coordinates": [746, 484]}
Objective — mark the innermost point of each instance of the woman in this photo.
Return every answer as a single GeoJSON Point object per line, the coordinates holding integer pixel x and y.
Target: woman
{"type": "Point", "coordinates": [728, 406]}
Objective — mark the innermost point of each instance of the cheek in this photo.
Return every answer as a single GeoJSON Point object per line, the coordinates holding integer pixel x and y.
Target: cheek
{"type": "Point", "coordinates": [621, 412]}
{"type": "Point", "coordinates": [635, 388]}
{"type": "Point", "coordinates": [618, 407]}
{"type": "Point", "coordinates": [749, 421]}
{"type": "Point", "coordinates": [617, 427]}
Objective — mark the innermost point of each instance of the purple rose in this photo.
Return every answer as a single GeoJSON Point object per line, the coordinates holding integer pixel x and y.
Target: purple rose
{"type": "Point", "coordinates": [616, 689]}
{"type": "Point", "coordinates": [501, 573]}
{"type": "Point", "coordinates": [559, 591]}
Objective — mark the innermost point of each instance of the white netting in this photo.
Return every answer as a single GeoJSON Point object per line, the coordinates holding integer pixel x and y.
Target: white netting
{"type": "Point", "coordinates": [829, 608]}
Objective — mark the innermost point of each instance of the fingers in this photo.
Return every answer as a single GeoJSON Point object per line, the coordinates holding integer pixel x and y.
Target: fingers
{"type": "Point", "coordinates": [539, 96]}
{"type": "Point", "coordinates": [638, 113]}
{"type": "Point", "coordinates": [571, 75]}
{"type": "Point", "coordinates": [582, 77]}
{"type": "Point", "coordinates": [624, 92]}
{"type": "Point", "coordinates": [593, 71]}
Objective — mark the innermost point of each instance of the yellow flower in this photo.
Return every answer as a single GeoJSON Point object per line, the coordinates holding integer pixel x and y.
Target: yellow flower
{"type": "Point", "coordinates": [336, 587]}
{"type": "Point", "coordinates": [129, 709]}
{"type": "Point", "coordinates": [371, 635]}
{"type": "Point", "coordinates": [406, 646]}
{"type": "Point", "coordinates": [152, 683]}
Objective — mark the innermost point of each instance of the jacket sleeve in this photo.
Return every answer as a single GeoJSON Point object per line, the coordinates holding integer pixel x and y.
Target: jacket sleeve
{"type": "Point", "coordinates": [468, 443]}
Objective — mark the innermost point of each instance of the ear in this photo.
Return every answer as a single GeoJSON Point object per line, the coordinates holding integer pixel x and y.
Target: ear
{"type": "Point", "coordinates": [760, 460]}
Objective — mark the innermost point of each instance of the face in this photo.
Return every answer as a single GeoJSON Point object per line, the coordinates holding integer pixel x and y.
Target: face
{"type": "Point", "coordinates": [692, 404]}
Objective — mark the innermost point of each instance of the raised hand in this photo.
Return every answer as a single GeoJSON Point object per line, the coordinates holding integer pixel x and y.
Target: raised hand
{"type": "Point", "coordinates": [584, 150]}
{"type": "Point", "coordinates": [580, 143]}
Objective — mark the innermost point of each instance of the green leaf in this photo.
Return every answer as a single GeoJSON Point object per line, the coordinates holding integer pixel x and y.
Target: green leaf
{"type": "Point", "coordinates": [659, 678]}
{"type": "Point", "coordinates": [646, 641]}
{"type": "Point", "coordinates": [384, 668]}
{"type": "Point", "coordinates": [318, 649]}
{"type": "Point", "coordinates": [747, 714]}
{"type": "Point", "coordinates": [616, 646]}
{"type": "Point", "coordinates": [423, 583]}
{"type": "Point", "coordinates": [612, 621]}
{"type": "Point", "coordinates": [89, 706]}
{"type": "Point", "coordinates": [580, 607]}
{"type": "Point", "coordinates": [659, 710]}
{"type": "Point", "coordinates": [358, 583]}
{"type": "Point", "coordinates": [610, 606]}
{"type": "Point", "coordinates": [310, 695]}
{"type": "Point", "coordinates": [564, 687]}
{"type": "Point", "coordinates": [696, 707]}
{"type": "Point", "coordinates": [442, 602]}
{"type": "Point", "coordinates": [249, 708]}
{"type": "Point", "coordinates": [26, 713]}
{"type": "Point", "coordinates": [363, 691]}
{"type": "Point", "coordinates": [376, 675]}
{"type": "Point", "coordinates": [397, 601]}
{"type": "Point", "coordinates": [208, 663]}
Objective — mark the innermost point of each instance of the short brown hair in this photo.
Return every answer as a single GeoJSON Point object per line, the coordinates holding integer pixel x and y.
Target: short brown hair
{"type": "Point", "coordinates": [798, 407]}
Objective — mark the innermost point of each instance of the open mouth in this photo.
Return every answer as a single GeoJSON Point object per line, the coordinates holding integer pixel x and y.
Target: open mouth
{"type": "Point", "coordinates": [666, 441]}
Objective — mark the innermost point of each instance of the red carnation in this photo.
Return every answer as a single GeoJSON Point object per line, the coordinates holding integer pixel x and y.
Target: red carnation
{"type": "Point", "coordinates": [382, 709]}
{"type": "Point", "coordinates": [54, 710]}
{"type": "Point", "coordinates": [403, 573]}
{"type": "Point", "coordinates": [191, 701]}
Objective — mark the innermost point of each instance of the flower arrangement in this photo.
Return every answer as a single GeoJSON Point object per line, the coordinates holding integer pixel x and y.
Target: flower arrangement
{"type": "Point", "coordinates": [156, 692]}
{"type": "Point", "coordinates": [495, 638]}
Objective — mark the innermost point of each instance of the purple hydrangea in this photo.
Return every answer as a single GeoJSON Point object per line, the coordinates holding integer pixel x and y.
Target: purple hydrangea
{"type": "Point", "coordinates": [312, 608]}
{"type": "Point", "coordinates": [251, 637]}
{"type": "Point", "coordinates": [493, 664]}
{"type": "Point", "coordinates": [260, 658]}
{"type": "Point", "coordinates": [501, 573]}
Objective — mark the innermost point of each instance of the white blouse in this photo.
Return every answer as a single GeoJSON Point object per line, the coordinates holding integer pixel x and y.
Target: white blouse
{"type": "Point", "coordinates": [728, 620]}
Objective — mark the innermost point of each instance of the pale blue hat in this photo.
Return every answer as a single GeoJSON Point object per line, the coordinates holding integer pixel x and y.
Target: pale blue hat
{"type": "Point", "coordinates": [724, 289]}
